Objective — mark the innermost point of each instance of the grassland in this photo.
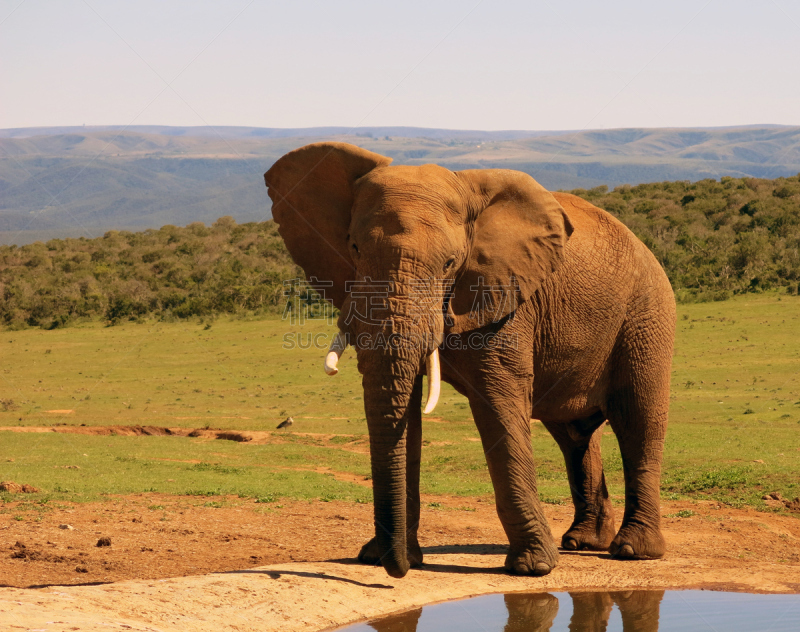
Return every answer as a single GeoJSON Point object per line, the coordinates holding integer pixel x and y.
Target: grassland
{"type": "Point", "coordinates": [734, 430]}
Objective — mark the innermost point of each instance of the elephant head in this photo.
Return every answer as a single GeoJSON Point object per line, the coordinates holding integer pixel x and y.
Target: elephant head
{"type": "Point", "coordinates": [409, 254]}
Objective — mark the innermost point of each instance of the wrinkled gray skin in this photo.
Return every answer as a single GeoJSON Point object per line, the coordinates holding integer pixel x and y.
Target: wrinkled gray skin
{"type": "Point", "coordinates": [583, 313]}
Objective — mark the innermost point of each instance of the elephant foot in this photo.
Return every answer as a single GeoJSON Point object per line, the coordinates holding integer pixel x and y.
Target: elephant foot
{"type": "Point", "coordinates": [638, 544]}
{"type": "Point", "coordinates": [593, 533]}
{"type": "Point", "coordinates": [535, 560]}
{"type": "Point", "coordinates": [371, 555]}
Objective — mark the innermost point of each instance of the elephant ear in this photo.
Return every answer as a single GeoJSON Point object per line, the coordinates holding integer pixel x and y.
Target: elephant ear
{"type": "Point", "coordinates": [519, 231]}
{"type": "Point", "coordinates": [312, 193]}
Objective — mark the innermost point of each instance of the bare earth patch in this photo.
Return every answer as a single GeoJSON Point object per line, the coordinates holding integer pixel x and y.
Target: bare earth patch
{"type": "Point", "coordinates": [254, 437]}
{"type": "Point", "coordinates": [189, 563]}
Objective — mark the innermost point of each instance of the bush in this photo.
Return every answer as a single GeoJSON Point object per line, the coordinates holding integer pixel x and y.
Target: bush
{"type": "Point", "coordinates": [168, 273]}
{"type": "Point", "coordinates": [714, 239]}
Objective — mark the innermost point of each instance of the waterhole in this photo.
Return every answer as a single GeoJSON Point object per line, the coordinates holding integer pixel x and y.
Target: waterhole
{"type": "Point", "coordinates": [624, 611]}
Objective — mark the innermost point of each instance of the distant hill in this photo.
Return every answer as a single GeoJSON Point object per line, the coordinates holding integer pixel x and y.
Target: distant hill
{"type": "Point", "coordinates": [83, 181]}
{"type": "Point", "coordinates": [282, 132]}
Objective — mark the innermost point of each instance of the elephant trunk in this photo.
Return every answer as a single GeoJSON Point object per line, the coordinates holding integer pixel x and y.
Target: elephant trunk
{"type": "Point", "coordinates": [391, 351]}
{"type": "Point", "coordinates": [387, 392]}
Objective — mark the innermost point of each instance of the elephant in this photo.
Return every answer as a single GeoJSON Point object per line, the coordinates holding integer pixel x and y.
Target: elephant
{"type": "Point", "coordinates": [529, 303]}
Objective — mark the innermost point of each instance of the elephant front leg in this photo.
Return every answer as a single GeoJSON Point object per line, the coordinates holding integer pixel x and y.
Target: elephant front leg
{"type": "Point", "coordinates": [369, 553]}
{"type": "Point", "coordinates": [593, 524]}
{"type": "Point", "coordinates": [504, 426]}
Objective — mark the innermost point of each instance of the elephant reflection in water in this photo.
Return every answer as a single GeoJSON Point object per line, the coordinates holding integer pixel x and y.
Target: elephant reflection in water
{"type": "Point", "coordinates": [535, 612]}
{"type": "Point", "coordinates": [528, 611]}
{"type": "Point", "coordinates": [591, 611]}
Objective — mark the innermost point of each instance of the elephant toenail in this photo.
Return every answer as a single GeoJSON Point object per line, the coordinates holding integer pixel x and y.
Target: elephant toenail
{"type": "Point", "coordinates": [540, 568]}
{"type": "Point", "coordinates": [570, 544]}
{"type": "Point", "coordinates": [626, 550]}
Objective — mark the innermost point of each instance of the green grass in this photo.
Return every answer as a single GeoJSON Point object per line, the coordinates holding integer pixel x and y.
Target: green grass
{"type": "Point", "coordinates": [173, 465]}
{"type": "Point", "coordinates": [735, 415]}
{"type": "Point", "coordinates": [730, 358]}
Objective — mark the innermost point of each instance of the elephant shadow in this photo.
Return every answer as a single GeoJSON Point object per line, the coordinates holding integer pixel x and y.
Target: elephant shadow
{"type": "Point", "coordinates": [467, 549]}
{"type": "Point", "coordinates": [536, 612]}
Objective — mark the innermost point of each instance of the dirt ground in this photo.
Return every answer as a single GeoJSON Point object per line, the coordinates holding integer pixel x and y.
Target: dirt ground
{"type": "Point", "coordinates": [152, 536]}
{"type": "Point", "coordinates": [155, 562]}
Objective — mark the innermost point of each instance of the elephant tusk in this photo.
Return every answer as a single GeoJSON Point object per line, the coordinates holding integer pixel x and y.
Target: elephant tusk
{"type": "Point", "coordinates": [434, 381]}
{"type": "Point", "coordinates": [338, 346]}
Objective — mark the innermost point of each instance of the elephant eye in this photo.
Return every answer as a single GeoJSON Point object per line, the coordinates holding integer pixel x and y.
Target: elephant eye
{"type": "Point", "coordinates": [355, 248]}
{"type": "Point", "coordinates": [449, 263]}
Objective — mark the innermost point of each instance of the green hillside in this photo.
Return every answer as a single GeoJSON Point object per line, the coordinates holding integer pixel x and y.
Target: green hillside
{"type": "Point", "coordinates": [714, 239]}
{"type": "Point", "coordinates": [168, 273]}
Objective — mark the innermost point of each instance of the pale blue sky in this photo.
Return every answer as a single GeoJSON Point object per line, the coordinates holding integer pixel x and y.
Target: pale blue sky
{"type": "Point", "coordinates": [569, 64]}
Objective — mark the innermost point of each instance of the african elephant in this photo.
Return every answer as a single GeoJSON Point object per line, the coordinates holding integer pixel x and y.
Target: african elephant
{"type": "Point", "coordinates": [529, 303]}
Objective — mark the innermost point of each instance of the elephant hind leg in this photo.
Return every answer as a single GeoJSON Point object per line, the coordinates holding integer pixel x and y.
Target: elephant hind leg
{"type": "Point", "coordinates": [637, 407]}
{"type": "Point", "coordinates": [593, 525]}
{"type": "Point", "coordinates": [640, 423]}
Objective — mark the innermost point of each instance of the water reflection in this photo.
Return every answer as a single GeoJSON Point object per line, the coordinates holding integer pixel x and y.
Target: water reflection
{"type": "Point", "coordinates": [536, 612]}
{"type": "Point", "coordinates": [404, 622]}
{"type": "Point", "coordinates": [530, 611]}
